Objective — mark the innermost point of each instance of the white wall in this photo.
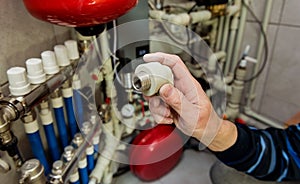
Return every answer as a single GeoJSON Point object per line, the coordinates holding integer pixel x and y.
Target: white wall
{"type": "Point", "coordinates": [278, 87]}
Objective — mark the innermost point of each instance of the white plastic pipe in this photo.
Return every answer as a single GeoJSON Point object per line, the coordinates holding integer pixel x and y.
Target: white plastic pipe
{"type": "Point", "coordinates": [220, 31]}
{"type": "Point", "coordinates": [240, 35]}
{"type": "Point", "coordinates": [260, 49]}
{"type": "Point", "coordinates": [233, 11]}
{"type": "Point", "coordinates": [213, 60]}
{"type": "Point", "coordinates": [181, 18]}
{"type": "Point", "coordinates": [261, 118]}
{"type": "Point", "coordinates": [107, 64]}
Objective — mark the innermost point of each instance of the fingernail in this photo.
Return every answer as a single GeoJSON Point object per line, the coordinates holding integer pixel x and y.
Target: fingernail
{"type": "Point", "coordinates": [150, 57]}
{"type": "Point", "coordinates": [166, 90]}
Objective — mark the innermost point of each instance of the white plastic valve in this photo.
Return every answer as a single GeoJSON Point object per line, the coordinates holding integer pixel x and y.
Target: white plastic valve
{"type": "Point", "coordinates": [150, 77]}
{"type": "Point", "coordinates": [18, 83]}
{"type": "Point", "coordinates": [72, 49]}
{"type": "Point", "coordinates": [35, 72]}
{"type": "Point", "coordinates": [61, 54]}
{"type": "Point", "coordinates": [49, 62]}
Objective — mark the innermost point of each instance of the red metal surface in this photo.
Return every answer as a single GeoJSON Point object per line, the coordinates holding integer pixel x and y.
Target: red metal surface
{"type": "Point", "coordinates": [78, 13]}
{"type": "Point", "coordinates": [155, 152]}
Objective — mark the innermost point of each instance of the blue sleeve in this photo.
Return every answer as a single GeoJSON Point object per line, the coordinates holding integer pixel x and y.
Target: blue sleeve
{"type": "Point", "coordinates": [271, 154]}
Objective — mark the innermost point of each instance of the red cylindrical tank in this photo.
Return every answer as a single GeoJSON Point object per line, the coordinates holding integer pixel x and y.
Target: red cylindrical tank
{"type": "Point", "coordinates": [155, 152]}
{"type": "Point", "coordinates": [78, 13]}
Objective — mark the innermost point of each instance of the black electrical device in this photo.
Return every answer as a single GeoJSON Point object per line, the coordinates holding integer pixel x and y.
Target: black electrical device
{"type": "Point", "coordinates": [210, 2]}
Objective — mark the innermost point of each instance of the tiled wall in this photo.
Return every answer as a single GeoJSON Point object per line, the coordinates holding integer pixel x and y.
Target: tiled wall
{"type": "Point", "coordinates": [23, 36]}
{"type": "Point", "coordinates": [278, 89]}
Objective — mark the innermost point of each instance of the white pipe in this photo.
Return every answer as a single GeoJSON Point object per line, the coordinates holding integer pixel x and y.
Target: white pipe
{"type": "Point", "coordinates": [220, 31]}
{"type": "Point", "coordinates": [260, 49]}
{"type": "Point", "coordinates": [233, 10]}
{"type": "Point", "coordinates": [200, 16]}
{"type": "Point", "coordinates": [225, 32]}
{"type": "Point", "coordinates": [240, 35]}
{"type": "Point", "coordinates": [213, 60]}
{"type": "Point", "coordinates": [213, 33]}
{"type": "Point", "coordinates": [181, 18]}
{"type": "Point", "coordinates": [261, 118]}
{"type": "Point", "coordinates": [104, 159]}
{"type": "Point", "coordinates": [107, 65]}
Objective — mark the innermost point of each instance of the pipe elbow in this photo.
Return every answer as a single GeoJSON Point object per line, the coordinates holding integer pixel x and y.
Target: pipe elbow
{"type": "Point", "coordinates": [200, 16]}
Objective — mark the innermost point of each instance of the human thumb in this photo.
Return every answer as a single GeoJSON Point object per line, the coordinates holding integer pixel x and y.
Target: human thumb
{"type": "Point", "coordinates": [172, 96]}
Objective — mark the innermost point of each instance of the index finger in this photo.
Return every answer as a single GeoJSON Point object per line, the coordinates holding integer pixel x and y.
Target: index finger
{"type": "Point", "coordinates": [178, 68]}
{"type": "Point", "coordinates": [183, 79]}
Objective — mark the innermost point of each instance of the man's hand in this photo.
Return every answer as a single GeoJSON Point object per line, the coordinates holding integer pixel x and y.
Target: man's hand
{"type": "Point", "coordinates": [187, 105]}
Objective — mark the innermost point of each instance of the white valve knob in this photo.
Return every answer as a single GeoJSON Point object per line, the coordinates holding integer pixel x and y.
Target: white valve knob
{"type": "Point", "coordinates": [72, 49]}
{"type": "Point", "coordinates": [61, 54]}
{"type": "Point", "coordinates": [35, 72]}
{"type": "Point", "coordinates": [49, 62]}
{"type": "Point", "coordinates": [18, 83]}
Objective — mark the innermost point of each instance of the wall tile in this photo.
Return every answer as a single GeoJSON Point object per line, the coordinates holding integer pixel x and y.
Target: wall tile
{"type": "Point", "coordinates": [282, 80]}
{"type": "Point", "coordinates": [277, 109]}
{"type": "Point", "coordinates": [258, 7]}
{"type": "Point", "coordinates": [282, 84]}
{"type": "Point", "coordinates": [252, 33]}
{"type": "Point", "coordinates": [291, 14]}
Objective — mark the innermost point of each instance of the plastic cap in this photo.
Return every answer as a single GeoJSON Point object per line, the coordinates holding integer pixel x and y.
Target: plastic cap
{"type": "Point", "coordinates": [243, 63]}
{"type": "Point", "coordinates": [49, 62]}
{"type": "Point", "coordinates": [35, 72]}
{"type": "Point", "coordinates": [61, 54]}
{"type": "Point", "coordinates": [18, 84]}
{"type": "Point", "coordinates": [72, 49]}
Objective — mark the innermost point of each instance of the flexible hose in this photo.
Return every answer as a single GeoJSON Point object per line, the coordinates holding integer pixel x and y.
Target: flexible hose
{"type": "Point", "coordinates": [70, 115]}
{"type": "Point", "coordinates": [52, 142]}
{"type": "Point", "coordinates": [90, 158]}
{"type": "Point", "coordinates": [83, 171]}
{"type": "Point", "coordinates": [37, 147]}
{"type": "Point", "coordinates": [61, 126]}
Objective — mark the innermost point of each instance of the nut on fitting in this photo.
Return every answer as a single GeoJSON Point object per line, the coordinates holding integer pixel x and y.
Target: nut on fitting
{"type": "Point", "coordinates": [149, 78]}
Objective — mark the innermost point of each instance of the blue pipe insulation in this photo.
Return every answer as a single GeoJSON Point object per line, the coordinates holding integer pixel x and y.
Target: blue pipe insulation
{"type": "Point", "coordinates": [52, 142]}
{"type": "Point", "coordinates": [83, 171]}
{"type": "Point", "coordinates": [61, 126]}
{"type": "Point", "coordinates": [78, 106]}
{"type": "Point", "coordinates": [90, 158]}
{"type": "Point", "coordinates": [32, 131]}
{"type": "Point", "coordinates": [71, 116]}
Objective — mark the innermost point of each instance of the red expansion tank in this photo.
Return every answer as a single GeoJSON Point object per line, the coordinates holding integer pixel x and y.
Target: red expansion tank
{"type": "Point", "coordinates": [78, 13]}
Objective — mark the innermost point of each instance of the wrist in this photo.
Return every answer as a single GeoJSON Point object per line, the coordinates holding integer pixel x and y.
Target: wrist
{"type": "Point", "coordinates": [225, 138]}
